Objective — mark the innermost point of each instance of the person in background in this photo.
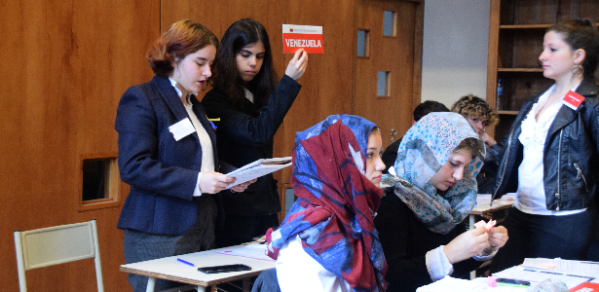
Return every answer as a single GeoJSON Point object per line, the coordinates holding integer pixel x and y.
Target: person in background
{"type": "Point", "coordinates": [172, 208]}
{"type": "Point", "coordinates": [549, 157]}
{"type": "Point", "coordinates": [433, 191]}
{"type": "Point", "coordinates": [479, 113]}
{"type": "Point", "coordinates": [420, 111]}
{"type": "Point", "coordinates": [251, 107]}
{"type": "Point", "coordinates": [328, 242]}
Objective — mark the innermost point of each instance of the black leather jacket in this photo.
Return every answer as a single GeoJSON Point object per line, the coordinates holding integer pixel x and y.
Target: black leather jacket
{"type": "Point", "coordinates": [569, 158]}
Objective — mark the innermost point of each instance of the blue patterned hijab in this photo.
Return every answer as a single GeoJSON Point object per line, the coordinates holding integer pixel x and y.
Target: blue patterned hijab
{"type": "Point", "coordinates": [423, 151]}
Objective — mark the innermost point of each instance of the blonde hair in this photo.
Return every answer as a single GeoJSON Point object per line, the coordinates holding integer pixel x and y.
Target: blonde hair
{"type": "Point", "coordinates": [475, 108]}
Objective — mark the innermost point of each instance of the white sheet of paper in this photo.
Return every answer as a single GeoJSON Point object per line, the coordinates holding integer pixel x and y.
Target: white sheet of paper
{"type": "Point", "coordinates": [253, 251]}
{"type": "Point", "coordinates": [182, 129]}
{"type": "Point", "coordinates": [535, 276]}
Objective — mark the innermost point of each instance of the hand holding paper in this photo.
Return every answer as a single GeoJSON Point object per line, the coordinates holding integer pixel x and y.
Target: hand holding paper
{"type": "Point", "coordinates": [487, 225]}
{"type": "Point", "coordinates": [466, 245]}
{"type": "Point", "coordinates": [297, 65]}
{"type": "Point", "coordinates": [213, 182]}
{"type": "Point", "coordinates": [242, 187]}
{"type": "Point", "coordinates": [497, 235]}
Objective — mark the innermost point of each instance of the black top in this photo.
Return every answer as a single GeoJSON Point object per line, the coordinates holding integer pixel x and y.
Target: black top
{"type": "Point", "coordinates": [390, 155]}
{"type": "Point", "coordinates": [406, 241]}
{"type": "Point", "coordinates": [245, 135]}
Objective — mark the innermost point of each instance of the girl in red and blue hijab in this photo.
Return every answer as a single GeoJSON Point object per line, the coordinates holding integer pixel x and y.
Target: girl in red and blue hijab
{"type": "Point", "coordinates": [328, 241]}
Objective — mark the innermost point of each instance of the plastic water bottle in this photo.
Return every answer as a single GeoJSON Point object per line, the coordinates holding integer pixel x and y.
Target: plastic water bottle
{"type": "Point", "coordinates": [499, 93]}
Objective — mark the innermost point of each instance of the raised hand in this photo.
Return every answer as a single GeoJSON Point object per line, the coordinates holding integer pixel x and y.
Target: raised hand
{"type": "Point", "coordinates": [297, 66]}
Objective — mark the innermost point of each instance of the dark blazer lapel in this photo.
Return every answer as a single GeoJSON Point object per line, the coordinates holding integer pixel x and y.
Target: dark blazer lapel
{"type": "Point", "coordinates": [170, 96]}
{"type": "Point", "coordinates": [566, 115]}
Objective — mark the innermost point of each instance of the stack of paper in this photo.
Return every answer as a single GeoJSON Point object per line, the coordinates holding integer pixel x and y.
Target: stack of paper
{"type": "Point", "coordinates": [257, 169]}
{"type": "Point", "coordinates": [572, 273]}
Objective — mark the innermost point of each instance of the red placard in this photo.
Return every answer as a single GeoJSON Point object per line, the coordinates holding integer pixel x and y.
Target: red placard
{"type": "Point", "coordinates": [586, 287]}
{"type": "Point", "coordinates": [573, 100]}
{"type": "Point", "coordinates": [305, 37]}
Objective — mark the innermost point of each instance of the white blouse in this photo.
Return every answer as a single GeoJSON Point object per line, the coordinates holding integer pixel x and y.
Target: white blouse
{"type": "Point", "coordinates": [530, 196]}
{"type": "Point", "coordinates": [298, 271]}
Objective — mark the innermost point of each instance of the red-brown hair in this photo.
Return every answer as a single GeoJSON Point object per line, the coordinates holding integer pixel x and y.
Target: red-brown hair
{"type": "Point", "coordinates": [183, 38]}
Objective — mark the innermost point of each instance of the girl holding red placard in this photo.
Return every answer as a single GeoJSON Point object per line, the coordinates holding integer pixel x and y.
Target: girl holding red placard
{"type": "Point", "coordinates": [251, 107]}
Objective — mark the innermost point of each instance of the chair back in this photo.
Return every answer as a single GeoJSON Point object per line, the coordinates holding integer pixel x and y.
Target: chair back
{"type": "Point", "coordinates": [56, 245]}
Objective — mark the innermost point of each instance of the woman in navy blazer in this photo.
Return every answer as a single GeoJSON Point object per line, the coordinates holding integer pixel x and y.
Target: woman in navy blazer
{"type": "Point", "coordinates": [167, 153]}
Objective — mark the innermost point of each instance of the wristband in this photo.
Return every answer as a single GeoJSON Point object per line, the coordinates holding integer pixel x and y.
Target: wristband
{"type": "Point", "coordinates": [485, 255]}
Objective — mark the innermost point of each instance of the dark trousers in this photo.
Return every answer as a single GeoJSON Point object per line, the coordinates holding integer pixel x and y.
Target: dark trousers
{"type": "Point", "coordinates": [141, 246]}
{"type": "Point", "coordinates": [530, 236]}
{"type": "Point", "coordinates": [242, 229]}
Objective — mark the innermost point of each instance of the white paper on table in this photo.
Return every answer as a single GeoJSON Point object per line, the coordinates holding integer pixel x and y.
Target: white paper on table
{"type": "Point", "coordinates": [449, 284]}
{"type": "Point", "coordinates": [255, 251]}
{"type": "Point", "coordinates": [535, 276]}
{"type": "Point", "coordinates": [590, 269]}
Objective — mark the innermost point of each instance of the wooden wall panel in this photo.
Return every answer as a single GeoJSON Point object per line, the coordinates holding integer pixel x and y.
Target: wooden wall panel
{"type": "Point", "coordinates": [64, 67]}
{"type": "Point", "coordinates": [392, 54]}
{"type": "Point", "coordinates": [218, 16]}
{"type": "Point", "coordinates": [327, 85]}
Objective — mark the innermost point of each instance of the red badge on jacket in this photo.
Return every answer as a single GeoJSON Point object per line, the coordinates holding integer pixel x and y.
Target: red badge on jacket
{"type": "Point", "coordinates": [573, 100]}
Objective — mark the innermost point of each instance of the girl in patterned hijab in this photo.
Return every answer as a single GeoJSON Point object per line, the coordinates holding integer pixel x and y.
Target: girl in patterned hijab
{"type": "Point", "coordinates": [328, 242]}
{"type": "Point", "coordinates": [433, 190]}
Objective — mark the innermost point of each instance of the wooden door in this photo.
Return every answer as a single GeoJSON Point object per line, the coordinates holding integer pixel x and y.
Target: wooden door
{"type": "Point", "coordinates": [394, 52]}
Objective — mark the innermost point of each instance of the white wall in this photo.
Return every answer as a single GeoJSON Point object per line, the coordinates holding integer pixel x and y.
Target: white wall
{"type": "Point", "coordinates": [455, 47]}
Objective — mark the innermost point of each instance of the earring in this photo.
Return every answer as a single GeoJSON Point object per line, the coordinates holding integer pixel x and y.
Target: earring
{"type": "Point", "coordinates": [577, 69]}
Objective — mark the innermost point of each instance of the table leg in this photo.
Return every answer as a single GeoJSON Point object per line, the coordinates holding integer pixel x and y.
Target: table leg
{"type": "Point", "coordinates": [151, 284]}
{"type": "Point", "coordinates": [203, 289]}
{"type": "Point", "coordinates": [471, 226]}
{"type": "Point", "coordinates": [470, 221]}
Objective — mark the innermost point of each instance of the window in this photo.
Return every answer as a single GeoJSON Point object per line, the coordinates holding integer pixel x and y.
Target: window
{"type": "Point", "coordinates": [99, 186]}
{"type": "Point", "coordinates": [382, 87]}
{"type": "Point", "coordinates": [363, 40]}
{"type": "Point", "coordinates": [389, 23]}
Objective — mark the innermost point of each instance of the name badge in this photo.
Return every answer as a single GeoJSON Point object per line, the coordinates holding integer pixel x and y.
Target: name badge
{"type": "Point", "coordinates": [182, 129]}
{"type": "Point", "coordinates": [573, 100]}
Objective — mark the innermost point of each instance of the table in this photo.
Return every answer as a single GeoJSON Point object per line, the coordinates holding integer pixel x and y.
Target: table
{"type": "Point", "coordinates": [169, 268]}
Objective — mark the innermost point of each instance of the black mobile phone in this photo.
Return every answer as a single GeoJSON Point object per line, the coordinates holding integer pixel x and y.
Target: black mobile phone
{"type": "Point", "coordinates": [224, 269]}
{"type": "Point", "coordinates": [513, 281]}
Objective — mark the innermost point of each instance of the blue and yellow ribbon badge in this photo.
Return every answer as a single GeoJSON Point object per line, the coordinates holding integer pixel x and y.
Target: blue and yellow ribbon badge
{"type": "Point", "coordinates": [211, 122]}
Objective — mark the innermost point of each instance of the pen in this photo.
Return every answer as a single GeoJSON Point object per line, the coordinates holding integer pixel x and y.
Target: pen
{"type": "Point", "coordinates": [185, 262]}
{"type": "Point", "coordinates": [511, 285]}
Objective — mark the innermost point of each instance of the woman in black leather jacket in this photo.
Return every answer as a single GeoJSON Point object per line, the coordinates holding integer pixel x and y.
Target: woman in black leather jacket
{"type": "Point", "coordinates": [550, 154]}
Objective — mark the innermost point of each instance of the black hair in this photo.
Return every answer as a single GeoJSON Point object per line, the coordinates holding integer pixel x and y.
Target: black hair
{"type": "Point", "coordinates": [227, 80]}
{"type": "Point", "coordinates": [428, 107]}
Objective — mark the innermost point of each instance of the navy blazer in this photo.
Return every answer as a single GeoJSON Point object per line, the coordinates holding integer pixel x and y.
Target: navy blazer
{"type": "Point", "coordinates": [162, 172]}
